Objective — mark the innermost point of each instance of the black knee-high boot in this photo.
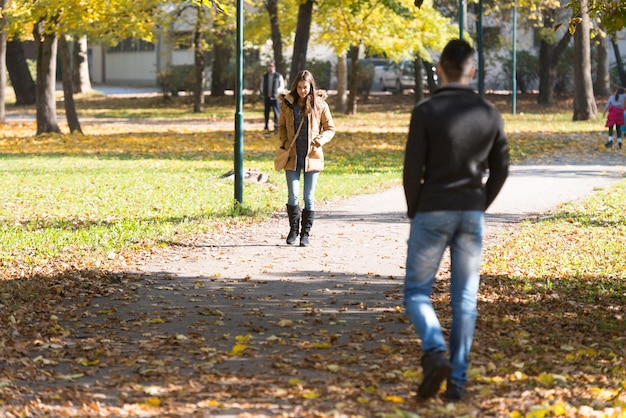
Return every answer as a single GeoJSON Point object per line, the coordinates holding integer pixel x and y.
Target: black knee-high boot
{"type": "Point", "coordinates": [294, 223]}
{"type": "Point", "coordinates": [307, 222]}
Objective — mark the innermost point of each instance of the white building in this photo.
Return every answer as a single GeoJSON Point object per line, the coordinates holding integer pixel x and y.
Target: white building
{"type": "Point", "coordinates": [135, 62]}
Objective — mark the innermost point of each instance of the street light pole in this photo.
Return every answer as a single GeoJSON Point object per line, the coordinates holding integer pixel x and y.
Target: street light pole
{"type": "Point", "coordinates": [514, 72]}
{"type": "Point", "coordinates": [481, 52]}
{"type": "Point", "coordinates": [461, 18]}
{"type": "Point", "coordinates": [239, 107]}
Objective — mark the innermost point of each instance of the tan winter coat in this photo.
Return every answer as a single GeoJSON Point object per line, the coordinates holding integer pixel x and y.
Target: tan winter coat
{"type": "Point", "coordinates": [321, 130]}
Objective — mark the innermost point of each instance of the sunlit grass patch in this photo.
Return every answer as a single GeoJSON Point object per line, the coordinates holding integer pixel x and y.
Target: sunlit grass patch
{"type": "Point", "coordinates": [75, 209]}
{"type": "Point", "coordinates": [580, 239]}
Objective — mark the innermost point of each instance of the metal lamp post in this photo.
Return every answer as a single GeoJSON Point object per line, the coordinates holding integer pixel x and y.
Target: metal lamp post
{"type": "Point", "coordinates": [461, 18]}
{"type": "Point", "coordinates": [239, 107]}
{"type": "Point", "coordinates": [514, 72]}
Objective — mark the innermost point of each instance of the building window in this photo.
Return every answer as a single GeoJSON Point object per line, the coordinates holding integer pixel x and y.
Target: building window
{"type": "Point", "coordinates": [132, 45]}
{"type": "Point", "coordinates": [183, 40]}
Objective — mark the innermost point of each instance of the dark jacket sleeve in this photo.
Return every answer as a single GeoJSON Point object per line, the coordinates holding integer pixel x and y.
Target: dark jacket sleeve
{"type": "Point", "coordinates": [498, 162]}
{"type": "Point", "coordinates": [414, 160]}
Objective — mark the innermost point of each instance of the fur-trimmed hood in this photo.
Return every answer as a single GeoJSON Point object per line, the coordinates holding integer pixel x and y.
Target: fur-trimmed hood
{"type": "Point", "coordinates": [287, 98]}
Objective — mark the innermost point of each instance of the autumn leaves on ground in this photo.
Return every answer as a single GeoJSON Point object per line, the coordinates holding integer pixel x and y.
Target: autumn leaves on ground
{"type": "Point", "coordinates": [81, 337]}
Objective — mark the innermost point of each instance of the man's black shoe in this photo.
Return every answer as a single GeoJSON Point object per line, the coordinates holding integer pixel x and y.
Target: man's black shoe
{"type": "Point", "coordinates": [436, 368]}
{"type": "Point", "coordinates": [454, 393]}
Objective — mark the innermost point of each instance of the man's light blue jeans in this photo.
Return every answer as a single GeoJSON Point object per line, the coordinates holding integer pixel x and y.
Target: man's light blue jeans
{"type": "Point", "coordinates": [293, 187]}
{"type": "Point", "coordinates": [431, 233]}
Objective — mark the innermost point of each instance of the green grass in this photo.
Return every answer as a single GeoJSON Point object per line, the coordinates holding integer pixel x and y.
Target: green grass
{"type": "Point", "coordinates": [579, 240]}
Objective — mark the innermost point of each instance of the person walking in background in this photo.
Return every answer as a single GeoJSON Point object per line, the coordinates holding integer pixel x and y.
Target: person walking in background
{"type": "Point", "coordinates": [306, 116]}
{"type": "Point", "coordinates": [272, 84]}
{"type": "Point", "coordinates": [615, 118]}
{"type": "Point", "coordinates": [455, 136]}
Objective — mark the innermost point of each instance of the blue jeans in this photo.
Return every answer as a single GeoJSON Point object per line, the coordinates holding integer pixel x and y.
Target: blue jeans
{"type": "Point", "coordinates": [431, 233]}
{"type": "Point", "coordinates": [293, 187]}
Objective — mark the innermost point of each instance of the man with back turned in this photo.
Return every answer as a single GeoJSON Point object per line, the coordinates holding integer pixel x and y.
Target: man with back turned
{"type": "Point", "coordinates": [455, 138]}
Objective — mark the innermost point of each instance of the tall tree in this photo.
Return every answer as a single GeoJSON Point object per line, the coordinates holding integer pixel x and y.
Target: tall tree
{"type": "Point", "coordinates": [222, 38]}
{"type": "Point", "coordinates": [282, 21]}
{"type": "Point", "coordinates": [584, 101]}
{"type": "Point", "coordinates": [3, 60]}
{"type": "Point", "coordinates": [199, 61]}
{"type": "Point", "coordinates": [618, 60]}
{"type": "Point", "coordinates": [80, 66]}
{"type": "Point", "coordinates": [19, 73]}
{"type": "Point", "coordinates": [68, 86]}
{"type": "Point", "coordinates": [301, 43]}
{"type": "Point", "coordinates": [602, 84]}
{"type": "Point", "coordinates": [350, 24]}
{"type": "Point", "coordinates": [341, 103]}
{"type": "Point", "coordinates": [277, 40]}
{"type": "Point", "coordinates": [429, 31]}
{"type": "Point", "coordinates": [46, 80]}
{"type": "Point", "coordinates": [551, 49]}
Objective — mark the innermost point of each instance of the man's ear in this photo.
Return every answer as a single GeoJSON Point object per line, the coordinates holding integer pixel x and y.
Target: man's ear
{"type": "Point", "coordinates": [439, 71]}
{"type": "Point", "coordinates": [471, 73]}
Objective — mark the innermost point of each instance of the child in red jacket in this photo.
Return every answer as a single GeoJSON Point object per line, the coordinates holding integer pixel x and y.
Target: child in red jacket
{"type": "Point", "coordinates": [615, 107]}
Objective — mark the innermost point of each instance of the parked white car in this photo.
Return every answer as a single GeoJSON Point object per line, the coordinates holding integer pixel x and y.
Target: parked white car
{"type": "Point", "coordinates": [398, 76]}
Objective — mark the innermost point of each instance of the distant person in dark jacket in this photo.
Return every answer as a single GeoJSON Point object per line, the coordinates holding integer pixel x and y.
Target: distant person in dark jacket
{"type": "Point", "coordinates": [455, 138]}
{"type": "Point", "coordinates": [272, 83]}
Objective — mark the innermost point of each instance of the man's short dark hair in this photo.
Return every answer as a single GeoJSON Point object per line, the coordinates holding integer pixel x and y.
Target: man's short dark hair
{"type": "Point", "coordinates": [457, 59]}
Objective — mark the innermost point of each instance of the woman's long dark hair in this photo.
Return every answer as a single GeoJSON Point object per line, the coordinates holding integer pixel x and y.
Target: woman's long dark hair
{"type": "Point", "coordinates": [620, 90]}
{"type": "Point", "coordinates": [309, 102]}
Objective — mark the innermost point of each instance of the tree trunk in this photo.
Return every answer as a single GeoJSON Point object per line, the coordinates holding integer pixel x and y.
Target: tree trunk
{"type": "Point", "coordinates": [80, 66]}
{"type": "Point", "coordinates": [221, 56]}
{"type": "Point", "coordinates": [277, 39]}
{"type": "Point", "coordinates": [21, 78]}
{"type": "Point", "coordinates": [584, 100]}
{"type": "Point", "coordinates": [602, 85]}
{"type": "Point", "coordinates": [342, 83]}
{"type": "Point", "coordinates": [418, 66]}
{"type": "Point", "coordinates": [430, 74]}
{"type": "Point", "coordinates": [46, 80]}
{"type": "Point", "coordinates": [549, 55]}
{"type": "Point", "coordinates": [3, 62]}
{"type": "Point", "coordinates": [68, 88]}
{"type": "Point", "coordinates": [354, 80]}
{"type": "Point", "coordinates": [198, 59]}
{"type": "Point", "coordinates": [618, 60]}
{"type": "Point", "coordinates": [301, 42]}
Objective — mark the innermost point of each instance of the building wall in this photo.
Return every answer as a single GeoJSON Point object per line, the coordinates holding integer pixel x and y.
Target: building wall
{"type": "Point", "coordinates": [138, 68]}
{"type": "Point", "coordinates": [141, 68]}
{"type": "Point", "coordinates": [96, 64]}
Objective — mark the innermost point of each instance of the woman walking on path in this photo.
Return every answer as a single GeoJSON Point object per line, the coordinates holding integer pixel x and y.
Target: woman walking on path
{"type": "Point", "coordinates": [305, 113]}
{"type": "Point", "coordinates": [615, 107]}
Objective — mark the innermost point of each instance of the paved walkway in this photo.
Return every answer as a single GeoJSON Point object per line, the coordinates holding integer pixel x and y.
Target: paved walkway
{"type": "Point", "coordinates": [367, 234]}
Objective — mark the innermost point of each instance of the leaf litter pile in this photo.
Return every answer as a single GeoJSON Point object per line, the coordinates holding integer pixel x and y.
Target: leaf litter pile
{"type": "Point", "coordinates": [102, 342]}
